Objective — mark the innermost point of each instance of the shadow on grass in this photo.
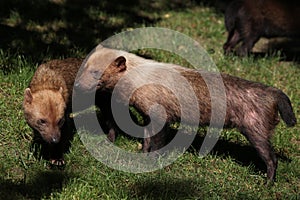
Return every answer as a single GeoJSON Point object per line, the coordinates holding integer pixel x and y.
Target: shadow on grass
{"type": "Point", "coordinates": [244, 155]}
{"type": "Point", "coordinates": [288, 49]}
{"type": "Point", "coordinates": [57, 28]}
{"type": "Point", "coordinates": [166, 189]}
{"type": "Point", "coordinates": [40, 185]}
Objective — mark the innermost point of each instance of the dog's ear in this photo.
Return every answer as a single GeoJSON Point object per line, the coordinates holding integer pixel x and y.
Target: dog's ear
{"type": "Point", "coordinates": [120, 63]}
{"type": "Point", "coordinates": [28, 95]}
{"type": "Point", "coordinates": [99, 47]}
{"type": "Point", "coordinates": [61, 90]}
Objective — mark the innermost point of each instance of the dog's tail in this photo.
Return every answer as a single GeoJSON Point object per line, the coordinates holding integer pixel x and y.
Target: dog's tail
{"type": "Point", "coordinates": [285, 109]}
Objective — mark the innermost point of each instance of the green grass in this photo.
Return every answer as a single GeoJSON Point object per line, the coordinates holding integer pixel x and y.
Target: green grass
{"type": "Point", "coordinates": [232, 171]}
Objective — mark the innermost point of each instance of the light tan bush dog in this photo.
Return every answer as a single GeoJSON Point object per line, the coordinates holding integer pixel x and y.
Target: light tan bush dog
{"type": "Point", "coordinates": [47, 105]}
{"type": "Point", "coordinates": [252, 107]}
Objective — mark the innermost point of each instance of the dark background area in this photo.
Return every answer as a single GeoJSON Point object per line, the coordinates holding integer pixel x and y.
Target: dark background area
{"type": "Point", "coordinates": [36, 28]}
{"type": "Point", "coordinates": [39, 30]}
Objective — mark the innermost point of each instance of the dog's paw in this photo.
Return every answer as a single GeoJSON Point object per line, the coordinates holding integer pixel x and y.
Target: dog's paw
{"type": "Point", "coordinates": [57, 162]}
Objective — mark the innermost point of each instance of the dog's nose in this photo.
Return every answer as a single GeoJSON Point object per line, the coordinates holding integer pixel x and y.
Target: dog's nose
{"type": "Point", "coordinates": [76, 85]}
{"type": "Point", "coordinates": [55, 139]}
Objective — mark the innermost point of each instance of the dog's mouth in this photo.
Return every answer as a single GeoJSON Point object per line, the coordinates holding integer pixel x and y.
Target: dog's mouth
{"type": "Point", "coordinates": [81, 88]}
{"type": "Point", "coordinates": [99, 85]}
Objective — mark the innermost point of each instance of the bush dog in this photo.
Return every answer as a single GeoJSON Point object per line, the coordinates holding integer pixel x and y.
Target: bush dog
{"type": "Point", "coordinates": [246, 21]}
{"type": "Point", "coordinates": [251, 107]}
{"type": "Point", "coordinates": [47, 107]}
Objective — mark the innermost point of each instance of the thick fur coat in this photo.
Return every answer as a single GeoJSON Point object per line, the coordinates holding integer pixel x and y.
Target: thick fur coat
{"type": "Point", "coordinates": [47, 106]}
{"type": "Point", "coordinates": [251, 107]}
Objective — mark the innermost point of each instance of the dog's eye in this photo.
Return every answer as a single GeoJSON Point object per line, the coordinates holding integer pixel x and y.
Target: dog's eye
{"type": "Point", "coordinates": [42, 122]}
{"type": "Point", "coordinates": [61, 122]}
{"type": "Point", "coordinates": [95, 74]}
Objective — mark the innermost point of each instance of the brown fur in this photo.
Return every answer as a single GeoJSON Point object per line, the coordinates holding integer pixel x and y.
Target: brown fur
{"type": "Point", "coordinates": [247, 20]}
{"type": "Point", "coordinates": [252, 107]}
{"type": "Point", "coordinates": [47, 106]}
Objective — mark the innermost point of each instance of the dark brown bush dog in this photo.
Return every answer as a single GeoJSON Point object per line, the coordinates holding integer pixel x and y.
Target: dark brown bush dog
{"type": "Point", "coordinates": [246, 21]}
{"type": "Point", "coordinates": [252, 107]}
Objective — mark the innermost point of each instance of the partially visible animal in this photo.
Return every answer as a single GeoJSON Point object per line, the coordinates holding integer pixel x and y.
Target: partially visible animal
{"type": "Point", "coordinates": [251, 107]}
{"type": "Point", "coordinates": [106, 120]}
{"type": "Point", "coordinates": [47, 107]}
{"type": "Point", "coordinates": [247, 21]}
